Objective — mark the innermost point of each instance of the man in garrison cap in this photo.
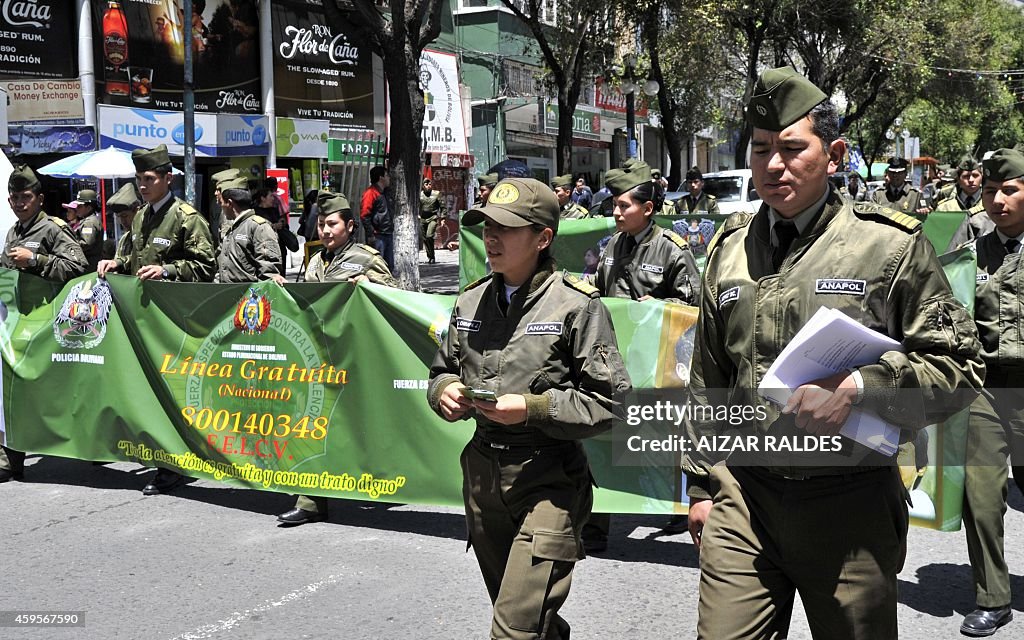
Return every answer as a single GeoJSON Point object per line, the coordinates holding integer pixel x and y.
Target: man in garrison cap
{"type": "Point", "coordinates": [341, 259]}
{"type": "Point", "coordinates": [124, 204]}
{"type": "Point", "coordinates": [568, 210]}
{"type": "Point", "coordinates": [85, 222]}
{"type": "Point", "coordinates": [832, 521]}
{"type": "Point", "coordinates": [170, 240]}
{"type": "Point", "coordinates": [249, 250]}
{"type": "Point", "coordinates": [42, 246]}
{"type": "Point", "coordinates": [966, 196]}
{"type": "Point", "coordinates": [697, 200]}
{"type": "Point", "coordinates": [996, 425]}
{"type": "Point", "coordinates": [485, 184]}
{"type": "Point", "coordinates": [432, 212]}
{"type": "Point", "coordinates": [897, 194]}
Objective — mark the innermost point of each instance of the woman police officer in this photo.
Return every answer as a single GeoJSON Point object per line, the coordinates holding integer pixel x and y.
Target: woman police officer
{"type": "Point", "coordinates": [531, 355]}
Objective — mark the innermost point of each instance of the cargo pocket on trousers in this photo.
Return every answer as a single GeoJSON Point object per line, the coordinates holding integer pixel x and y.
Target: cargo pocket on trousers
{"type": "Point", "coordinates": [527, 599]}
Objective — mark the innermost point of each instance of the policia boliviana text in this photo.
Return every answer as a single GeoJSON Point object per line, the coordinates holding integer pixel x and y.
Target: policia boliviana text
{"type": "Point", "coordinates": [542, 343]}
{"type": "Point", "coordinates": [831, 525]}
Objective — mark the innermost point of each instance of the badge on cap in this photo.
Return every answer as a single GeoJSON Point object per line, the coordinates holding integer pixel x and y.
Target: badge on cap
{"type": "Point", "coordinates": [504, 194]}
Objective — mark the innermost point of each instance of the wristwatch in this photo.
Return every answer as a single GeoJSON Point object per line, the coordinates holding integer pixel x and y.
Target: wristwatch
{"type": "Point", "coordinates": [165, 275]}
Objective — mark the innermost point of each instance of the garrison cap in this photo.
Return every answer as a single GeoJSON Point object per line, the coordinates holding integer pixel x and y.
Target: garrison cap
{"type": "Point", "coordinates": [238, 182]}
{"type": "Point", "coordinates": [487, 180]}
{"type": "Point", "coordinates": [518, 202]}
{"type": "Point", "coordinates": [897, 164]}
{"type": "Point", "coordinates": [221, 176]}
{"type": "Point", "coordinates": [22, 178]}
{"type": "Point", "coordinates": [149, 159]}
{"type": "Point", "coordinates": [565, 181]}
{"type": "Point", "coordinates": [86, 196]}
{"type": "Point", "coordinates": [328, 202]}
{"type": "Point", "coordinates": [968, 163]}
{"type": "Point", "coordinates": [1004, 164]}
{"type": "Point", "coordinates": [628, 177]}
{"type": "Point", "coordinates": [781, 97]}
{"type": "Point", "coordinates": [125, 198]}
{"type": "Point", "coordinates": [694, 174]}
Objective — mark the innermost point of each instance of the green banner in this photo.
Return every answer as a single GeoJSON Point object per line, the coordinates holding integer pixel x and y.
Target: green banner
{"type": "Point", "coordinates": [308, 388]}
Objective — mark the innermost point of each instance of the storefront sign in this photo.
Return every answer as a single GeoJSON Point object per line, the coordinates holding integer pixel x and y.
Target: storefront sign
{"type": "Point", "coordinates": [298, 138]}
{"type": "Point", "coordinates": [140, 56]}
{"type": "Point", "coordinates": [34, 39]}
{"type": "Point", "coordinates": [357, 149]}
{"type": "Point", "coordinates": [318, 72]}
{"type": "Point", "coordinates": [44, 102]}
{"type": "Point", "coordinates": [35, 139]}
{"type": "Point", "coordinates": [609, 98]}
{"type": "Point", "coordinates": [585, 124]}
{"type": "Point", "coordinates": [444, 129]}
{"type": "Point", "coordinates": [216, 135]}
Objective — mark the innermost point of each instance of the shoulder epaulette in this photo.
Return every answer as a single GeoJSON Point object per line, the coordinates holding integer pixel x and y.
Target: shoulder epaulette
{"type": "Point", "coordinates": [58, 221]}
{"type": "Point", "coordinates": [477, 283]}
{"type": "Point", "coordinates": [370, 250]}
{"type": "Point", "coordinates": [710, 197]}
{"type": "Point", "coordinates": [677, 239]}
{"type": "Point", "coordinates": [258, 219]}
{"type": "Point", "coordinates": [579, 285]}
{"type": "Point", "coordinates": [734, 222]}
{"type": "Point", "coordinates": [188, 209]}
{"type": "Point", "coordinates": [869, 211]}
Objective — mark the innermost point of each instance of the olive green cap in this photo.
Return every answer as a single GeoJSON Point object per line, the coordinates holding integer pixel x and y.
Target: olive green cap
{"type": "Point", "coordinates": [239, 182]}
{"type": "Point", "coordinates": [897, 164]}
{"type": "Point", "coordinates": [22, 178]}
{"type": "Point", "coordinates": [968, 163]}
{"type": "Point", "coordinates": [125, 198]}
{"type": "Point", "coordinates": [487, 180]}
{"type": "Point", "coordinates": [87, 196]}
{"type": "Point", "coordinates": [221, 176]}
{"type": "Point", "coordinates": [328, 202]}
{"type": "Point", "coordinates": [149, 159]}
{"type": "Point", "coordinates": [518, 202]}
{"type": "Point", "coordinates": [781, 97]}
{"type": "Point", "coordinates": [563, 181]}
{"type": "Point", "coordinates": [1003, 165]}
{"type": "Point", "coordinates": [628, 177]}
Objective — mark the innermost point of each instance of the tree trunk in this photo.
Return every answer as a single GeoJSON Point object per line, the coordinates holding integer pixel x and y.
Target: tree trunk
{"type": "Point", "coordinates": [563, 141]}
{"type": "Point", "coordinates": [666, 104]}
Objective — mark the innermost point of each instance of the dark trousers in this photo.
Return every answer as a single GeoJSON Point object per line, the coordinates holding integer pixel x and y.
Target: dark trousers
{"type": "Point", "coordinates": [428, 231]}
{"type": "Point", "coordinates": [11, 460]}
{"type": "Point", "coordinates": [995, 432]}
{"type": "Point", "coordinates": [524, 512]}
{"type": "Point", "coordinates": [385, 243]}
{"type": "Point", "coordinates": [838, 540]}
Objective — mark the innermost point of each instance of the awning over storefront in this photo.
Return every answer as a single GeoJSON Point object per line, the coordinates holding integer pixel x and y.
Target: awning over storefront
{"type": "Point", "coordinates": [218, 135]}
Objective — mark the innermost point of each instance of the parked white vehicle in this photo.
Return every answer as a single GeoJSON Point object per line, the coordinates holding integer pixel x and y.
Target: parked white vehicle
{"type": "Point", "coordinates": [734, 190]}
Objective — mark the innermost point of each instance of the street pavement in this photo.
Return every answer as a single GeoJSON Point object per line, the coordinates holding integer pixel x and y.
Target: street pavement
{"type": "Point", "coordinates": [209, 561]}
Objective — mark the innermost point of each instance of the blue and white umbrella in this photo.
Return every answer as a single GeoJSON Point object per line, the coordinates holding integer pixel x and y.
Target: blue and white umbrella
{"type": "Point", "coordinates": [107, 163]}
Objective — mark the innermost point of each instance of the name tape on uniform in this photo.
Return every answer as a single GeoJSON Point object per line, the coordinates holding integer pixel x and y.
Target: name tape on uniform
{"type": "Point", "coordinates": [465, 324]}
{"type": "Point", "coordinates": [544, 329]}
{"type": "Point", "coordinates": [652, 268]}
{"type": "Point", "coordinates": [351, 266]}
{"type": "Point", "coordinates": [982, 277]}
{"type": "Point", "coordinates": [841, 286]}
{"type": "Point", "coordinates": [162, 241]}
{"type": "Point", "coordinates": [729, 295]}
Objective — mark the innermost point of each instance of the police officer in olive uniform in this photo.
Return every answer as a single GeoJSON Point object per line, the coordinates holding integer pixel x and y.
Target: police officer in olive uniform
{"type": "Point", "coordinates": [39, 245]}
{"type": "Point", "coordinates": [832, 524]}
{"type": "Point", "coordinates": [967, 197]}
{"type": "Point", "coordinates": [124, 204]}
{"type": "Point", "coordinates": [567, 209]}
{"type": "Point", "coordinates": [249, 250]}
{"type": "Point", "coordinates": [485, 183]}
{"type": "Point", "coordinates": [897, 194]}
{"type": "Point", "coordinates": [170, 240]}
{"type": "Point", "coordinates": [996, 428]}
{"type": "Point", "coordinates": [87, 225]}
{"type": "Point", "coordinates": [643, 260]}
{"type": "Point", "coordinates": [217, 217]}
{"type": "Point", "coordinates": [542, 343]}
{"type": "Point", "coordinates": [432, 212]}
{"type": "Point", "coordinates": [697, 200]}
{"type": "Point", "coordinates": [341, 259]}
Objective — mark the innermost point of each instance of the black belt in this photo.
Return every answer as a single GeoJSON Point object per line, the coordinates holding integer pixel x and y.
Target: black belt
{"type": "Point", "coordinates": [541, 446]}
{"type": "Point", "coordinates": [824, 474]}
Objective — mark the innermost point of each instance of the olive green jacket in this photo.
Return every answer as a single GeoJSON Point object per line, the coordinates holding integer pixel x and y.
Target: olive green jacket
{"type": "Point", "coordinates": [90, 236]}
{"type": "Point", "coordinates": [573, 211]}
{"type": "Point", "coordinates": [353, 260]}
{"type": "Point", "coordinates": [432, 205]}
{"type": "Point", "coordinates": [661, 266]}
{"type": "Point", "coordinates": [554, 343]}
{"type": "Point", "coordinates": [907, 200]}
{"type": "Point", "coordinates": [249, 250]}
{"type": "Point", "coordinates": [705, 204]}
{"type": "Point", "coordinates": [999, 305]}
{"type": "Point", "coordinates": [868, 262]}
{"type": "Point", "coordinates": [58, 256]}
{"type": "Point", "coordinates": [177, 237]}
